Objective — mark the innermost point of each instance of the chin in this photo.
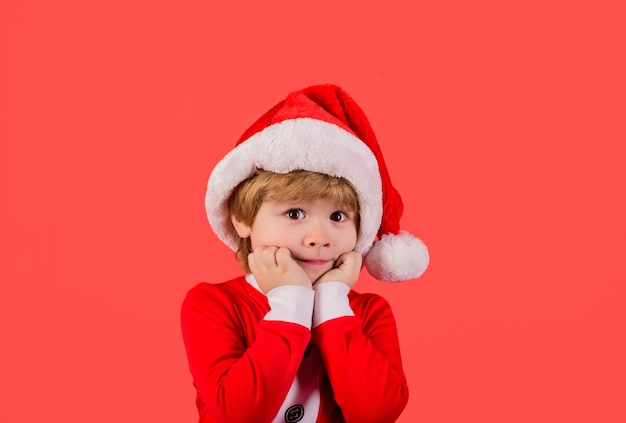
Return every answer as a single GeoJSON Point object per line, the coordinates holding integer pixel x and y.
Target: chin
{"type": "Point", "coordinates": [315, 273]}
{"type": "Point", "coordinates": [315, 277]}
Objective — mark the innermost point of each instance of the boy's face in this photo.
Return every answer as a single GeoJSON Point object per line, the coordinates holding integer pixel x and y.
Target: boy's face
{"type": "Point", "coordinates": [316, 232]}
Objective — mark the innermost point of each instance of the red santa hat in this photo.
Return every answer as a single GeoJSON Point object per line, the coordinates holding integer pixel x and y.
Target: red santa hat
{"type": "Point", "coordinates": [321, 129]}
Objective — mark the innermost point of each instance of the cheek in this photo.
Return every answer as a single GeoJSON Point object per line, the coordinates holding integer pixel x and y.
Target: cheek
{"type": "Point", "coordinates": [350, 239]}
{"type": "Point", "coordinates": [270, 237]}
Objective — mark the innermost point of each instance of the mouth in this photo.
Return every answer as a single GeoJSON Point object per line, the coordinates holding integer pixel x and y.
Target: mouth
{"type": "Point", "coordinates": [314, 262]}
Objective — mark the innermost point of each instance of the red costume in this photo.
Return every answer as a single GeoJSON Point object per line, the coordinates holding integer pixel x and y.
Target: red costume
{"type": "Point", "coordinates": [243, 365]}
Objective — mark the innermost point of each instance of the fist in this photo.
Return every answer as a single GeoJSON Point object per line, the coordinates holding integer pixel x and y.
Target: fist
{"type": "Point", "coordinates": [347, 269]}
{"type": "Point", "coordinates": [273, 267]}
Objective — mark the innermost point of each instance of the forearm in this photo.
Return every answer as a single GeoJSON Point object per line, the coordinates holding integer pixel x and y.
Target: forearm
{"type": "Point", "coordinates": [362, 358]}
{"type": "Point", "coordinates": [243, 371]}
{"type": "Point", "coordinates": [368, 385]}
{"type": "Point", "coordinates": [253, 386]}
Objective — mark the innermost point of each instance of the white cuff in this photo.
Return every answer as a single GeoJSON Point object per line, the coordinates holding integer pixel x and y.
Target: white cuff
{"type": "Point", "coordinates": [331, 301]}
{"type": "Point", "coordinates": [291, 303]}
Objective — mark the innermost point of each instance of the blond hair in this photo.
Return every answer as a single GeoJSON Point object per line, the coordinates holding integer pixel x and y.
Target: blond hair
{"type": "Point", "coordinates": [297, 186]}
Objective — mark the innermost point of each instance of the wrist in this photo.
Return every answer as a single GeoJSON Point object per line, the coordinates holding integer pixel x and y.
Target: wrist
{"type": "Point", "coordinates": [331, 301]}
{"type": "Point", "coordinates": [291, 303]}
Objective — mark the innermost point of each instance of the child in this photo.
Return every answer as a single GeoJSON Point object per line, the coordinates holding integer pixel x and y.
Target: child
{"type": "Point", "coordinates": [303, 195]}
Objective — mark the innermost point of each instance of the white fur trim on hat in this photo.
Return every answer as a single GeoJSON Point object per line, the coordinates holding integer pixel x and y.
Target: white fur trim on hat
{"type": "Point", "coordinates": [396, 258]}
{"type": "Point", "coordinates": [299, 144]}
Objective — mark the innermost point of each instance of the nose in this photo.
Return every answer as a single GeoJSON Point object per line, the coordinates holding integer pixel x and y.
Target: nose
{"type": "Point", "coordinates": [317, 235]}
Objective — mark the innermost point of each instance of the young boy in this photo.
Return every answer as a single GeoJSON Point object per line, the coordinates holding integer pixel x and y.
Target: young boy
{"type": "Point", "coordinates": [301, 198]}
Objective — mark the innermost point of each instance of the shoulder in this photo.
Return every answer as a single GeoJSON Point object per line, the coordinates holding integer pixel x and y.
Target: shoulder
{"type": "Point", "coordinates": [373, 310]}
{"type": "Point", "coordinates": [217, 294]}
{"type": "Point", "coordinates": [366, 301]}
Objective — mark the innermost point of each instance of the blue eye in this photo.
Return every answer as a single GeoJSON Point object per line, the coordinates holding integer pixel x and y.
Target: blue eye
{"type": "Point", "coordinates": [295, 214]}
{"type": "Point", "coordinates": [338, 216]}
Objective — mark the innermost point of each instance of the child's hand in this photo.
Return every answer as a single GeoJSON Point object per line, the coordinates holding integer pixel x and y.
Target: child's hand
{"type": "Point", "coordinates": [347, 269]}
{"type": "Point", "coordinates": [273, 267]}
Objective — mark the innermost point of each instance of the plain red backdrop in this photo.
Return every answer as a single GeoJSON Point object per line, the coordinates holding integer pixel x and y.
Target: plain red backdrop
{"type": "Point", "coordinates": [502, 124]}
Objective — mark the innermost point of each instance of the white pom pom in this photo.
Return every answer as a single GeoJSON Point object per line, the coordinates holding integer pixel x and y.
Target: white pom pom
{"type": "Point", "coordinates": [396, 258]}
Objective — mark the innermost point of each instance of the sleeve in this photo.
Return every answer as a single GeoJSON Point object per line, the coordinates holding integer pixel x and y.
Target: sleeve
{"type": "Point", "coordinates": [238, 382]}
{"type": "Point", "coordinates": [361, 355]}
{"type": "Point", "coordinates": [331, 301]}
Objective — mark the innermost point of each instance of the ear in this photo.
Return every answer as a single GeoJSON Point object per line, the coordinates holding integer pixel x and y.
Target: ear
{"type": "Point", "coordinates": [241, 228]}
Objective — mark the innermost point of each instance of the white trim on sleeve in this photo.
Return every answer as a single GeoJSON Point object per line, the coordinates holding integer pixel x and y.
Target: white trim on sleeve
{"type": "Point", "coordinates": [331, 302]}
{"type": "Point", "coordinates": [291, 303]}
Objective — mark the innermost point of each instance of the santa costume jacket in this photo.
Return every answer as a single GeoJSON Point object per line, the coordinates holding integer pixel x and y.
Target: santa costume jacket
{"type": "Point", "coordinates": [255, 359]}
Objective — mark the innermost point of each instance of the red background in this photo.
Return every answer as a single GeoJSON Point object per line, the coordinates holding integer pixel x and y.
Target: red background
{"type": "Point", "coordinates": [501, 123]}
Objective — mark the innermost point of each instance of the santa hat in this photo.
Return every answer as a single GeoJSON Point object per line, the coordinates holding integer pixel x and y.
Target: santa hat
{"type": "Point", "coordinates": [321, 129]}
